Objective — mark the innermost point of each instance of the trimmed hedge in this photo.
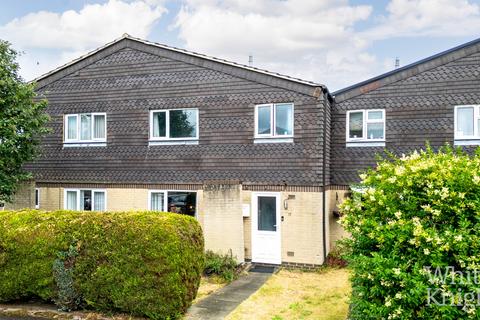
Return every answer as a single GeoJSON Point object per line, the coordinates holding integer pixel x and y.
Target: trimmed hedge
{"type": "Point", "coordinates": [141, 263]}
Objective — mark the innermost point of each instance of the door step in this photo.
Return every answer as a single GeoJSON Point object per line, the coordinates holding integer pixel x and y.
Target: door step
{"type": "Point", "coordinates": [264, 268]}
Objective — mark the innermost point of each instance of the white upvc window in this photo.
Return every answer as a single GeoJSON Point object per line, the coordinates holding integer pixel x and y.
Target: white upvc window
{"type": "Point", "coordinates": [177, 201]}
{"type": "Point", "coordinates": [365, 125]}
{"type": "Point", "coordinates": [85, 199]}
{"type": "Point", "coordinates": [467, 122]}
{"type": "Point", "coordinates": [37, 198]}
{"type": "Point", "coordinates": [85, 128]}
{"type": "Point", "coordinates": [274, 120]}
{"type": "Point", "coordinates": [174, 124]}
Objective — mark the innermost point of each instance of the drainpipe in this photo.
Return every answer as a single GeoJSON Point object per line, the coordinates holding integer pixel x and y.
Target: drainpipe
{"type": "Point", "coordinates": [324, 178]}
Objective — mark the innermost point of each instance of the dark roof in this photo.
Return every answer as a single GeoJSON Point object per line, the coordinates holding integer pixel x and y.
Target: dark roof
{"type": "Point", "coordinates": [186, 52]}
{"type": "Point", "coordinates": [407, 67]}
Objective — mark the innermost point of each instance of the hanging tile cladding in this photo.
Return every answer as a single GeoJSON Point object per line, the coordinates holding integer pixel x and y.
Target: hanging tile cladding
{"type": "Point", "coordinates": [128, 83]}
{"type": "Point", "coordinates": [418, 108]}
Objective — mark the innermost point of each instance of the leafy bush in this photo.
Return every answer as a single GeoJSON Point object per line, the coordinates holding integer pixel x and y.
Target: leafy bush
{"type": "Point", "coordinates": [409, 216]}
{"type": "Point", "coordinates": [223, 265]}
{"type": "Point", "coordinates": [338, 256]}
{"type": "Point", "coordinates": [141, 263]}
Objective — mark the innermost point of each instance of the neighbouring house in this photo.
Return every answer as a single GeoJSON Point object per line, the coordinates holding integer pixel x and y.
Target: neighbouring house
{"type": "Point", "coordinates": [260, 159]}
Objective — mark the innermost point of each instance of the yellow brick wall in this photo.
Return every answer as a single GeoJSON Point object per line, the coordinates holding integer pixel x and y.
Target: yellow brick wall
{"type": "Point", "coordinates": [23, 198]}
{"type": "Point", "coordinates": [127, 199]}
{"type": "Point", "coordinates": [336, 230]}
{"type": "Point", "coordinates": [221, 218]}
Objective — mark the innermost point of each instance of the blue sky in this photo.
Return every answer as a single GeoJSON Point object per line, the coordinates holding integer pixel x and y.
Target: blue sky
{"type": "Point", "coordinates": [334, 42]}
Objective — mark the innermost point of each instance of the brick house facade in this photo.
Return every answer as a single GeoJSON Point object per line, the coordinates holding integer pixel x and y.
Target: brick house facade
{"type": "Point", "coordinates": [260, 159]}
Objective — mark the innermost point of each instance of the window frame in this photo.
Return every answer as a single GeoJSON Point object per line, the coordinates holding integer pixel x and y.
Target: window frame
{"type": "Point", "coordinates": [78, 129]}
{"type": "Point", "coordinates": [273, 134]}
{"type": "Point", "coordinates": [365, 123]}
{"type": "Point", "coordinates": [476, 118]}
{"type": "Point", "coordinates": [37, 198]}
{"type": "Point", "coordinates": [167, 125]}
{"type": "Point", "coordinates": [165, 197]}
{"type": "Point", "coordinates": [77, 190]}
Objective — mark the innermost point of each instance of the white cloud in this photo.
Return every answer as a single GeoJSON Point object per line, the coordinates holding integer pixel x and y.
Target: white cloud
{"type": "Point", "coordinates": [317, 39]}
{"type": "Point", "coordinates": [51, 38]}
{"type": "Point", "coordinates": [309, 39]}
{"type": "Point", "coordinates": [415, 18]}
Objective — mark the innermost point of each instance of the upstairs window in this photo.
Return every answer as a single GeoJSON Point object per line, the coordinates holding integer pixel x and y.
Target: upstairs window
{"type": "Point", "coordinates": [85, 127]}
{"type": "Point", "coordinates": [366, 125]}
{"type": "Point", "coordinates": [467, 122]}
{"type": "Point", "coordinates": [274, 120]}
{"type": "Point", "coordinates": [85, 200]}
{"type": "Point", "coordinates": [175, 124]}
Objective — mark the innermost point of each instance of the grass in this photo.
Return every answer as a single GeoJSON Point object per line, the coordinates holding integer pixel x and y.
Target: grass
{"type": "Point", "coordinates": [321, 295]}
{"type": "Point", "coordinates": [209, 285]}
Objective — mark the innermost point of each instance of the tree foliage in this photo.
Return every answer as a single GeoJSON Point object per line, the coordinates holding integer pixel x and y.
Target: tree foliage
{"type": "Point", "coordinates": [22, 123]}
{"type": "Point", "coordinates": [415, 226]}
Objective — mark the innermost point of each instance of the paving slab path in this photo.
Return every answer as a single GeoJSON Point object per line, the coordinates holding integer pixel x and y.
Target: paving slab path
{"type": "Point", "coordinates": [219, 304]}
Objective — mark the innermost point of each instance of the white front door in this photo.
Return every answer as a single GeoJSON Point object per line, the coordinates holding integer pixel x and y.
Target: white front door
{"type": "Point", "coordinates": [266, 243]}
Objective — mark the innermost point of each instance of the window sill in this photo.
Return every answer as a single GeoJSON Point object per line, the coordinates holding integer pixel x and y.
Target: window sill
{"type": "Point", "coordinates": [366, 144]}
{"type": "Point", "coordinates": [273, 140]}
{"type": "Point", "coordinates": [84, 144]}
{"type": "Point", "coordinates": [466, 142]}
{"type": "Point", "coordinates": [171, 142]}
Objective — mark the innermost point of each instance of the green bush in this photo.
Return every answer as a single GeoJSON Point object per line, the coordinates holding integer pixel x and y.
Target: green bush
{"type": "Point", "coordinates": [408, 217]}
{"type": "Point", "coordinates": [141, 263]}
{"type": "Point", "coordinates": [223, 265]}
{"type": "Point", "coordinates": [338, 256]}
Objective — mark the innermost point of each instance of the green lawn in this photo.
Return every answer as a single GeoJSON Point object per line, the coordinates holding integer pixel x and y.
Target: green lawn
{"type": "Point", "coordinates": [321, 295]}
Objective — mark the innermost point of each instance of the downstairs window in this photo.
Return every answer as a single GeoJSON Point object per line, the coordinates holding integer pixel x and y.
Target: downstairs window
{"type": "Point", "coordinates": [183, 202]}
{"type": "Point", "coordinates": [85, 200]}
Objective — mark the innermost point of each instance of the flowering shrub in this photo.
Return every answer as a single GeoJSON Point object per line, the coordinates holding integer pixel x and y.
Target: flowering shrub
{"type": "Point", "coordinates": [415, 226]}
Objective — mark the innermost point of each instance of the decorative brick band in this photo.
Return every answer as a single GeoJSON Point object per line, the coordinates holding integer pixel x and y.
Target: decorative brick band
{"type": "Point", "coordinates": [191, 186]}
{"type": "Point", "coordinates": [172, 186]}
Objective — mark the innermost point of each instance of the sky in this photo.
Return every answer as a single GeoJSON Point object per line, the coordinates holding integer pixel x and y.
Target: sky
{"type": "Point", "coordinates": [333, 42]}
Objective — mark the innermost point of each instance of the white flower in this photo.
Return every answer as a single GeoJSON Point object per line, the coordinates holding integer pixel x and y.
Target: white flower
{"type": "Point", "coordinates": [392, 179]}
{"type": "Point", "coordinates": [399, 171]}
{"type": "Point", "coordinates": [444, 193]}
{"type": "Point", "coordinates": [388, 302]}
{"type": "Point", "coordinates": [458, 238]}
{"type": "Point", "coordinates": [398, 296]}
{"type": "Point", "coordinates": [426, 251]}
{"type": "Point", "coordinates": [476, 179]}
{"type": "Point", "coordinates": [396, 271]}
{"type": "Point", "coordinates": [415, 155]}
{"type": "Point", "coordinates": [398, 214]}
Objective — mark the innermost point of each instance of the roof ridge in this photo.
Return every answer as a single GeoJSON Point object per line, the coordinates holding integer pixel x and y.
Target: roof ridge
{"type": "Point", "coordinates": [180, 50]}
{"type": "Point", "coordinates": [408, 66]}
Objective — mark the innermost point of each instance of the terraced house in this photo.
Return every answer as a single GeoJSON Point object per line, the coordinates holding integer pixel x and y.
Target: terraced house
{"type": "Point", "coordinates": [260, 159]}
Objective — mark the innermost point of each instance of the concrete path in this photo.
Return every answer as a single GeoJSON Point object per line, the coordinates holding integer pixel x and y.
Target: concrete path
{"type": "Point", "coordinates": [219, 304]}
